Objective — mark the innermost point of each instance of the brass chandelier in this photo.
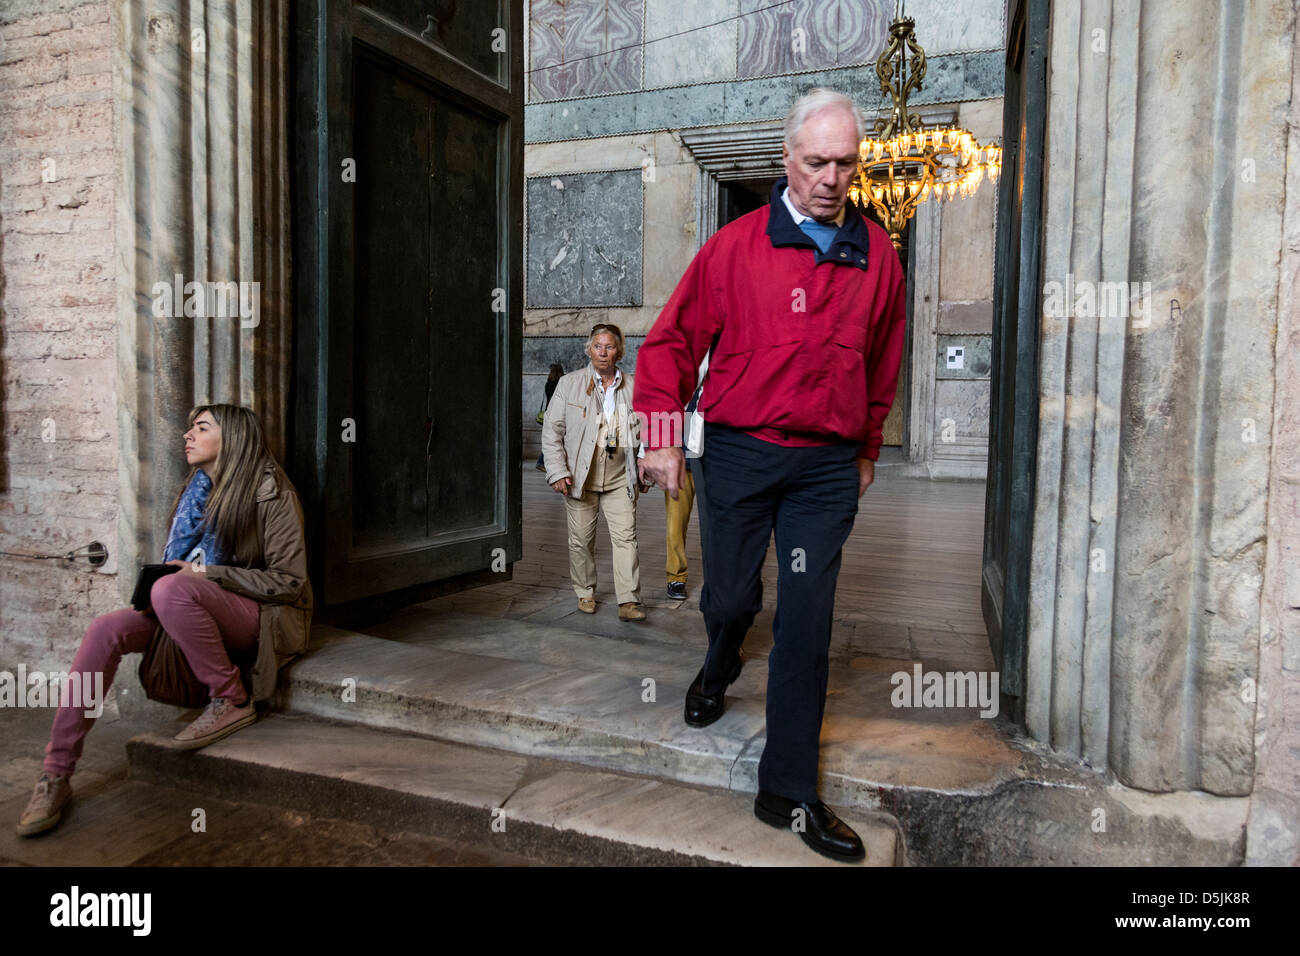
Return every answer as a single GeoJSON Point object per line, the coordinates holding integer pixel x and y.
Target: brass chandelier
{"type": "Point", "coordinates": [905, 163]}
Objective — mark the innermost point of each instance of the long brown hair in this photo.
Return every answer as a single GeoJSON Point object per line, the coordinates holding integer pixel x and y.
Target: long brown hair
{"type": "Point", "coordinates": [232, 504]}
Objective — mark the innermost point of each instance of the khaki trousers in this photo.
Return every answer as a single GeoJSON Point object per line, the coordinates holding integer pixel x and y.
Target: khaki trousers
{"type": "Point", "coordinates": [620, 518]}
{"type": "Point", "coordinates": [679, 519]}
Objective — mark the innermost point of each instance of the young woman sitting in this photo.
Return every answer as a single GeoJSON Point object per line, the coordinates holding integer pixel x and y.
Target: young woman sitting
{"type": "Point", "coordinates": [242, 589]}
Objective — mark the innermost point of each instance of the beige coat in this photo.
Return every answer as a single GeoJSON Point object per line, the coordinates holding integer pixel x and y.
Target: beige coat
{"type": "Point", "coordinates": [274, 573]}
{"type": "Point", "coordinates": [573, 419]}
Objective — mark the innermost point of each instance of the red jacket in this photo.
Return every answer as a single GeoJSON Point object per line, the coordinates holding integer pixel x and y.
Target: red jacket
{"type": "Point", "coordinates": [808, 344]}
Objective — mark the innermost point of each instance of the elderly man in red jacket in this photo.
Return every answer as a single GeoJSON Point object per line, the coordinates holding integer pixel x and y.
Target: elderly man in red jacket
{"type": "Point", "coordinates": [801, 307]}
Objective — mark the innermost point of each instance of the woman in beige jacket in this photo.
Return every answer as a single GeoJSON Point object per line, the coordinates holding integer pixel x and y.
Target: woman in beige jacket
{"type": "Point", "coordinates": [589, 440]}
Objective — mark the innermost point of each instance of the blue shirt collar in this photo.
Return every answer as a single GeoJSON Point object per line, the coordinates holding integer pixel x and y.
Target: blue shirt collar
{"type": "Point", "coordinates": [849, 247]}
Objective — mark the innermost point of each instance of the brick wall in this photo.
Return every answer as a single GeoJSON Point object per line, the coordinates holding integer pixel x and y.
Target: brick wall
{"type": "Point", "coordinates": [57, 321]}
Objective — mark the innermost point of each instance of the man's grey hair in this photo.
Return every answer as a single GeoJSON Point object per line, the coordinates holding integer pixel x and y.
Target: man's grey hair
{"type": "Point", "coordinates": [814, 101]}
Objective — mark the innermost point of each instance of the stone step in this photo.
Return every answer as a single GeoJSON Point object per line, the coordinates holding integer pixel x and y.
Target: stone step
{"type": "Point", "coordinates": [574, 688]}
{"type": "Point", "coordinates": [548, 810]}
{"type": "Point", "coordinates": [554, 692]}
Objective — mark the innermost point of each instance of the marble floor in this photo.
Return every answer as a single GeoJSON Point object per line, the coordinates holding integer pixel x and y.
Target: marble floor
{"type": "Point", "coordinates": [909, 585]}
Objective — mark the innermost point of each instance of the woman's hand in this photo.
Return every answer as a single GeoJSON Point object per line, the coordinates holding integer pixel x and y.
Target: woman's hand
{"type": "Point", "coordinates": [187, 567]}
{"type": "Point", "coordinates": [562, 486]}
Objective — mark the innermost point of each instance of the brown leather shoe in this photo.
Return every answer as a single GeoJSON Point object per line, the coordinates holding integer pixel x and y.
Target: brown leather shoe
{"type": "Point", "coordinates": [45, 809]}
{"type": "Point", "coordinates": [631, 611]}
{"type": "Point", "coordinates": [587, 605]}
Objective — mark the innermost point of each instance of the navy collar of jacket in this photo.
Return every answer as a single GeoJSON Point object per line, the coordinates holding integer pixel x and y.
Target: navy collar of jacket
{"type": "Point", "coordinates": [847, 248]}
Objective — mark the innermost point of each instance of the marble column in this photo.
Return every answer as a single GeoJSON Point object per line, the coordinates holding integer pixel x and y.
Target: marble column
{"type": "Point", "coordinates": [201, 98]}
{"type": "Point", "coordinates": [1166, 159]}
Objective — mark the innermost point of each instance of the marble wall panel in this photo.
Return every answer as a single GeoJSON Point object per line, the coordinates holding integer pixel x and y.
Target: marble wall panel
{"type": "Point", "coordinates": [715, 103]}
{"type": "Point", "coordinates": [682, 107]}
{"type": "Point", "coordinates": [689, 42]}
{"type": "Point", "coordinates": [859, 84]}
{"type": "Point", "coordinates": [966, 258]}
{"type": "Point", "coordinates": [633, 320]}
{"type": "Point", "coordinates": [982, 75]}
{"type": "Point", "coordinates": [945, 80]}
{"type": "Point", "coordinates": [809, 34]}
{"type": "Point", "coordinates": [966, 317]}
{"type": "Point", "coordinates": [584, 239]}
{"type": "Point", "coordinates": [950, 26]}
{"type": "Point", "coordinates": [580, 156]}
{"type": "Point", "coordinates": [966, 405]}
{"type": "Point", "coordinates": [746, 99]}
{"type": "Point", "coordinates": [862, 27]}
{"type": "Point", "coordinates": [592, 116]}
{"type": "Point", "coordinates": [785, 39]}
{"type": "Point", "coordinates": [670, 226]}
{"type": "Point", "coordinates": [976, 356]}
{"type": "Point", "coordinates": [583, 47]}
{"type": "Point", "coordinates": [983, 117]}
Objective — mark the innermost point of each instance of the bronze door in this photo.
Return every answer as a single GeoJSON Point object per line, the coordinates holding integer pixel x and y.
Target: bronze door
{"type": "Point", "coordinates": [408, 259]}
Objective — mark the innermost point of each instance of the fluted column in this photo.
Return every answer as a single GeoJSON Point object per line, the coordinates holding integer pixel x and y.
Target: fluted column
{"type": "Point", "coordinates": [1165, 168]}
{"type": "Point", "coordinates": [200, 90]}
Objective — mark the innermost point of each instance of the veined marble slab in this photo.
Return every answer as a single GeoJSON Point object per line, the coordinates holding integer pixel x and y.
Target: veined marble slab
{"type": "Point", "coordinates": [696, 822]}
{"type": "Point", "coordinates": [582, 698]}
{"type": "Point", "coordinates": [296, 757]}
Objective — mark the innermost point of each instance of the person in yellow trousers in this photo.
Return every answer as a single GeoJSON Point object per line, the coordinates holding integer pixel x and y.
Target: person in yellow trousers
{"type": "Point", "coordinates": [678, 512]}
{"type": "Point", "coordinates": [589, 441]}
{"type": "Point", "coordinates": [678, 518]}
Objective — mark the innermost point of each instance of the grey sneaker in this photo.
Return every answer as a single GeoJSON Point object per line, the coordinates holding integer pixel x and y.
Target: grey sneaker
{"type": "Point", "coordinates": [219, 719]}
{"type": "Point", "coordinates": [45, 809]}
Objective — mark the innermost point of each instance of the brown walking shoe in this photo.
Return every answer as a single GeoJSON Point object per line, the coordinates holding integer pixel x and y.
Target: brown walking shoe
{"type": "Point", "coordinates": [587, 605]}
{"type": "Point", "coordinates": [631, 611]}
{"type": "Point", "coordinates": [219, 719]}
{"type": "Point", "coordinates": [45, 809]}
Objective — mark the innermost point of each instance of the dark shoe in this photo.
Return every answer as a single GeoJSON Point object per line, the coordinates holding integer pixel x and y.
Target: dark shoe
{"type": "Point", "coordinates": [815, 823]}
{"type": "Point", "coordinates": [677, 590]}
{"type": "Point", "coordinates": [701, 709]}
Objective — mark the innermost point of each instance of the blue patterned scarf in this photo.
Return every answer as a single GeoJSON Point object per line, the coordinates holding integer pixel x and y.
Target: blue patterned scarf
{"type": "Point", "coordinates": [188, 536]}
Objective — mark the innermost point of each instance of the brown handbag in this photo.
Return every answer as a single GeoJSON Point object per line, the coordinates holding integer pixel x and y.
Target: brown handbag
{"type": "Point", "coordinates": [166, 675]}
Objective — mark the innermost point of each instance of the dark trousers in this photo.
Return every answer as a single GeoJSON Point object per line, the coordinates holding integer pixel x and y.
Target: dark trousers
{"type": "Point", "coordinates": [696, 469]}
{"type": "Point", "coordinates": [810, 496]}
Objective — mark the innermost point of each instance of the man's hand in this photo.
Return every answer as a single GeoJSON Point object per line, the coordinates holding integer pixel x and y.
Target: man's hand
{"type": "Point", "coordinates": [866, 474]}
{"type": "Point", "coordinates": [562, 486]}
{"type": "Point", "coordinates": [666, 467]}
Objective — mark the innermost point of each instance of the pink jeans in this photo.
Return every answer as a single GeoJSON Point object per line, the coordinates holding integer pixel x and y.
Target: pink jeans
{"type": "Point", "coordinates": [201, 616]}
